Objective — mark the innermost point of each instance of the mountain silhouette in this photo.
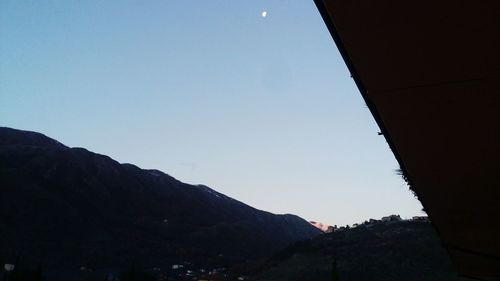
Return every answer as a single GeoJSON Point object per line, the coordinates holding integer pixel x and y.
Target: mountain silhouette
{"type": "Point", "coordinates": [69, 208]}
{"type": "Point", "coordinates": [381, 251]}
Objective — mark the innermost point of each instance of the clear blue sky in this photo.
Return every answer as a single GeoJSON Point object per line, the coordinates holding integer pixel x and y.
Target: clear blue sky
{"type": "Point", "coordinates": [261, 109]}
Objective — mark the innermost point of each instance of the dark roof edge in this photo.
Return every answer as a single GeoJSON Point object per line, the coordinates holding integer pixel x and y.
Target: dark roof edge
{"type": "Point", "coordinates": [371, 106]}
{"type": "Point", "coordinates": [373, 109]}
{"type": "Point", "coordinates": [354, 74]}
{"type": "Point", "coordinates": [327, 18]}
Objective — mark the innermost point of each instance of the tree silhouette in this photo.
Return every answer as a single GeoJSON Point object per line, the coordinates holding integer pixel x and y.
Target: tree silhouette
{"type": "Point", "coordinates": [335, 276]}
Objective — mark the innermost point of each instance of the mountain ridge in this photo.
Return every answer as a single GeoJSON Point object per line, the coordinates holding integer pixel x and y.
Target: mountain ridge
{"type": "Point", "coordinates": [88, 208]}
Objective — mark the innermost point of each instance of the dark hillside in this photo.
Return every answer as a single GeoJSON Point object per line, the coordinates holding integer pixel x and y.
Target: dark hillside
{"type": "Point", "coordinates": [389, 251]}
{"type": "Point", "coordinates": [67, 207]}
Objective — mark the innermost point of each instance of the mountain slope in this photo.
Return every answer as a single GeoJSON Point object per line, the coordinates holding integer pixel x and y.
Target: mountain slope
{"type": "Point", "coordinates": [399, 251]}
{"type": "Point", "coordinates": [69, 207]}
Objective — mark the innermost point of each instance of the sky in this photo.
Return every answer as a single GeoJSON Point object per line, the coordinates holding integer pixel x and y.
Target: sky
{"type": "Point", "coordinates": [262, 109]}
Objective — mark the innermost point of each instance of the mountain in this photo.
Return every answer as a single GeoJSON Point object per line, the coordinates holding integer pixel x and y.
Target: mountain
{"type": "Point", "coordinates": [69, 208]}
{"type": "Point", "coordinates": [380, 251]}
{"type": "Point", "coordinates": [321, 226]}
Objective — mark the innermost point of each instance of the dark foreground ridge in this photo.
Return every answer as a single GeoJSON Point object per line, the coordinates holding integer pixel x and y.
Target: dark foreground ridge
{"type": "Point", "coordinates": [76, 213]}
{"type": "Point", "coordinates": [379, 251]}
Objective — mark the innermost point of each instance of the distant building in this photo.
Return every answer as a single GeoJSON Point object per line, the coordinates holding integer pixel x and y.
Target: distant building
{"type": "Point", "coordinates": [420, 218]}
{"type": "Point", "coordinates": [392, 218]}
{"type": "Point", "coordinates": [331, 229]}
{"type": "Point", "coordinates": [8, 267]}
{"type": "Point", "coordinates": [177, 266]}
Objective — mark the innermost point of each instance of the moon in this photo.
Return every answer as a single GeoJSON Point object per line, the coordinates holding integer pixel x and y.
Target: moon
{"type": "Point", "coordinates": [264, 14]}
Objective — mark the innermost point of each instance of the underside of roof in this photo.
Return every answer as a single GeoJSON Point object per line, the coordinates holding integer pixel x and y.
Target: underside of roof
{"type": "Point", "coordinates": [429, 72]}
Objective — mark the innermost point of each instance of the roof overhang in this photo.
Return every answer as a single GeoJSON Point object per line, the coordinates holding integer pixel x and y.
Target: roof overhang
{"type": "Point", "coordinates": [429, 72]}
